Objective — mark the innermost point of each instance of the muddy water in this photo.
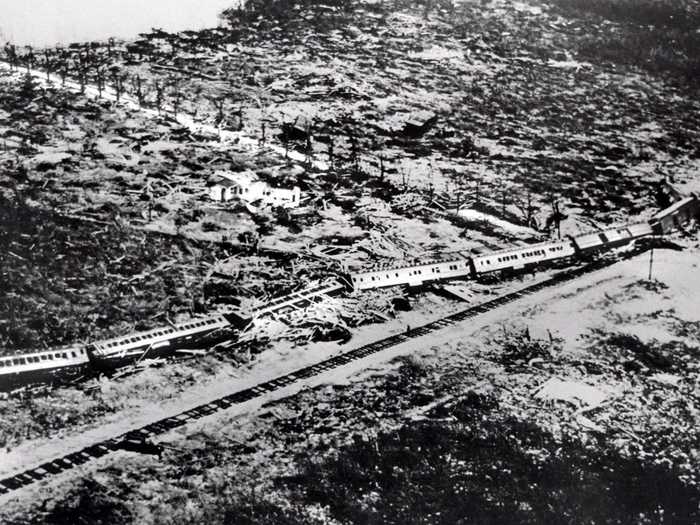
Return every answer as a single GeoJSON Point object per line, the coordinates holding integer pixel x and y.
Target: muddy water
{"type": "Point", "coordinates": [49, 22]}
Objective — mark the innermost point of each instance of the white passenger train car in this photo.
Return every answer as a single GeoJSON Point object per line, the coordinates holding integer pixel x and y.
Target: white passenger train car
{"type": "Point", "coordinates": [675, 216]}
{"type": "Point", "coordinates": [448, 266]}
{"type": "Point", "coordinates": [519, 258]}
{"type": "Point", "coordinates": [41, 362]}
{"type": "Point", "coordinates": [154, 342]}
{"type": "Point", "coordinates": [611, 237]}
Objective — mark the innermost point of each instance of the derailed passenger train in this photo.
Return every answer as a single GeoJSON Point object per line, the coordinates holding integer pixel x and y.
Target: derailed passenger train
{"type": "Point", "coordinates": [114, 352]}
{"type": "Point", "coordinates": [111, 353]}
{"type": "Point", "coordinates": [463, 265]}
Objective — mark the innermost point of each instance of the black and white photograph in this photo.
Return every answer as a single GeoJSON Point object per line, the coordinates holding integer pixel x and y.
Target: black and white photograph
{"type": "Point", "coordinates": [339, 262]}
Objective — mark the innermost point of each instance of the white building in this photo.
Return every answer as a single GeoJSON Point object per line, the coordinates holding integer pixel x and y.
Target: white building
{"type": "Point", "coordinates": [246, 186]}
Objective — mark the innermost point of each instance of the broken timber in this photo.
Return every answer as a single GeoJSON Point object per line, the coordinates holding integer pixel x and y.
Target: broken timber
{"type": "Point", "coordinates": [294, 300]}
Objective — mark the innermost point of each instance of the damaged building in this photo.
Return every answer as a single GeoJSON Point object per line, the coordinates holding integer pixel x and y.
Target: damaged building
{"type": "Point", "coordinates": [248, 187]}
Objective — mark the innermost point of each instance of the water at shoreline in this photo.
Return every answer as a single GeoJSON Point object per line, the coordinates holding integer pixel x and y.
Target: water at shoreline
{"type": "Point", "coordinates": [48, 22]}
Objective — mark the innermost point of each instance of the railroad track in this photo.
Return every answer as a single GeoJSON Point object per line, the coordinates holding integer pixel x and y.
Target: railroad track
{"type": "Point", "coordinates": [127, 440]}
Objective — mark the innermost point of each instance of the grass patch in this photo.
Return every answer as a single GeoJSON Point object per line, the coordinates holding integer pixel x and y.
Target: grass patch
{"type": "Point", "coordinates": [501, 470]}
{"type": "Point", "coordinates": [64, 282]}
{"type": "Point", "coordinates": [637, 355]}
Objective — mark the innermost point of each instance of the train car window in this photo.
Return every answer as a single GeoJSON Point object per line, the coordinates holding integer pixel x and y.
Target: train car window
{"type": "Point", "coordinates": [43, 357]}
{"type": "Point", "coordinates": [2, 363]}
{"type": "Point", "coordinates": [73, 354]}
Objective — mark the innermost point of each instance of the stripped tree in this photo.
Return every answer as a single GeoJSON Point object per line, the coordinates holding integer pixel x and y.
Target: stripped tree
{"type": "Point", "coordinates": [159, 95]}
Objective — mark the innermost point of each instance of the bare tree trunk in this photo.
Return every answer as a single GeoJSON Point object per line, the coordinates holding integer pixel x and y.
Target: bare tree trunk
{"type": "Point", "coordinates": [159, 95]}
{"type": "Point", "coordinates": [82, 80]}
{"type": "Point", "coordinates": [100, 81]}
{"type": "Point", "coordinates": [139, 90]}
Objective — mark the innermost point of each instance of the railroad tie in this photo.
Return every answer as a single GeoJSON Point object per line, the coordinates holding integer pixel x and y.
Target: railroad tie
{"type": "Point", "coordinates": [25, 478]}
{"type": "Point", "coordinates": [76, 458]}
{"type": "Point", "coordinates": [12, 483]}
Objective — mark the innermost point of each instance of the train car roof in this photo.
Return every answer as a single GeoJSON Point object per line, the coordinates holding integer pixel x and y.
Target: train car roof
{"type": "Point", "coordinates": [153, 332]}
{"type": "Point", "coordinates": [609, 228]}
{"type": "Point", "coordinates": [72, 348]}
{"type": "Point", "coordinates": [506, 251]}
{"type": "Point", "coordinates": [448, 257]}
{"type": "Point", "coordinates": [674, 207]}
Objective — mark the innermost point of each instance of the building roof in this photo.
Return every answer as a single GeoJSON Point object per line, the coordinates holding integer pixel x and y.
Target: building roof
{"type": "Point", "coordinates": [243, 178]}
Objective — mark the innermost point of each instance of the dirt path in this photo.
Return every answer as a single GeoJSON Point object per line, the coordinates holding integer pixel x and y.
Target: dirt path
{"type": "Point", "coordinates": [187, 121]}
